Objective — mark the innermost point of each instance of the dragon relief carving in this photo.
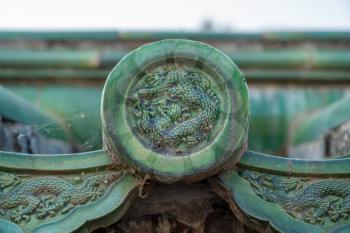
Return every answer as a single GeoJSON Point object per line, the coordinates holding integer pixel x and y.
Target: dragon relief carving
{"type": "Point", "coordinates": [47, 196]}
{"type": "Point", "coordinates": [174, 109]}
{"type": "Point", "coordinates": [311, 201]}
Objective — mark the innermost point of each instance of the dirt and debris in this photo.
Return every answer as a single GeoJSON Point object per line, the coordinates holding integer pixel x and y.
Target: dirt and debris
{"type": "Point", "coordinates": [17, 137]}
{"type": "Point", "coordinates": [179, 208]}
{"type": "Point", "coordinates": [338, 141]}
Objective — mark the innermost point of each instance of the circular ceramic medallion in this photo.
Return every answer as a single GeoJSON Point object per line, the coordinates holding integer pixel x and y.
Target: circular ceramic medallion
{"type": "Point", "coordinates": [175, 109]}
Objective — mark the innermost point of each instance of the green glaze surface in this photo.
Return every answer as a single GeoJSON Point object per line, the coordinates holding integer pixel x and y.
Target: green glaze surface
{"type": "Point", "coordinates": [158, 35]}
{"type": "Point", "coordinates": [9, 227]}
{"type": "Point", "coordinates": [20, 110]}
{"type": "Point", "coordinates": [47, 74]}
{"type": "Point", "coordinates": [175, 110]}
{"type": "Point", "coordinates": [98, 75]}
{"type": "Point", "coordinates": [296, 76]}
{"type": "Point", "coordinates": [273, 164]}
{"type": "Point", "coordinates": [96, 211]}
{"type": "Point", "coordinates": [48, 193]}
{"type": "Point", "coordinates": [255, 207]}
{"type": "Point", "coordinates": [77, 105]}
{"type": "Point", "coordinates": [179, 78]}
{"type": "Point", "coordinates": [274, 108]}
{"type": "Point", "coordinates": [59, 162]}
{"type": "Point", "coordinates": [93, 59]}
{"type": "Point", "coordinates": [318, 123]}
{"type": "Point", "coordinates": [54, 58]}
{"type": "Point", "coordinates": [292, 195]}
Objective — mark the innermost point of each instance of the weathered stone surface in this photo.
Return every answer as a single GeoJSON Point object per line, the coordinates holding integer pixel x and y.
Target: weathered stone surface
{"type": "Point", "coordinates": [309, 150]}
{"type": "Point", "coordinates": [17, 137]}
{"type": "Point", "coordinates": [334, 143]}
{"type": "Point", "coordinates": [338, 140]}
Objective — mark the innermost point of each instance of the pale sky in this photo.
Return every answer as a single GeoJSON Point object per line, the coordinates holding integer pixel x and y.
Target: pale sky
{"type": "Point", "coordinates": [240, 15]}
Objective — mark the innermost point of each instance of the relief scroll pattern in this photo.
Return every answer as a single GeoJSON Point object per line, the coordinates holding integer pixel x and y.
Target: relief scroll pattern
{"type": "Point", "coordinates": [313, 201]}
{"type": "Point", "coordinates": [44, 197]}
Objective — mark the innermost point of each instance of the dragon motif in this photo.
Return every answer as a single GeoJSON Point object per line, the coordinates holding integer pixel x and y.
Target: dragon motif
{"type": "Point", "coordinates": [175, 107]}
{"type": "Point", "coordinates": [46, 196]}
{"type": "Point", "coordinates": [313, 202]}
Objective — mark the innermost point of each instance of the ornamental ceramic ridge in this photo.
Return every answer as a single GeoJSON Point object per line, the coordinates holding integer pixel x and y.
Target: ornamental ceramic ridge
{"type": "Point", "coordinates": [175, 109]}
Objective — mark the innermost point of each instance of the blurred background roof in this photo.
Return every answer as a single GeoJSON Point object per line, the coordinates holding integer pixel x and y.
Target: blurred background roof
{"type": "Point", "coordinates": [184, 15]}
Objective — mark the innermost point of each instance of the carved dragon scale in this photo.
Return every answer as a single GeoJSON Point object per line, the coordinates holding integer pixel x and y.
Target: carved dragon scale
{"type": "Point", "coordinates": [47, 196]}
{"type": "Point", "coordinates": [163, 107]}
{"type": "Point", "coordinates": [173, 110]}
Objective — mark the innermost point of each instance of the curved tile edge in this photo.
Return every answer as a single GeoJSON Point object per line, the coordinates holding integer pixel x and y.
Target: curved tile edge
{"type": "Point", "coordinates": [263, 191]}
{"type": "Point", "coordinates": [64, 193]}
{"type": "Point", "coordinates": [101, 213]}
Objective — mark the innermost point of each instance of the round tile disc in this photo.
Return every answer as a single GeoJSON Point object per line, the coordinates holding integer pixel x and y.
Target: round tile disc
{"type": "Point", "coordinates": [176, 110]}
